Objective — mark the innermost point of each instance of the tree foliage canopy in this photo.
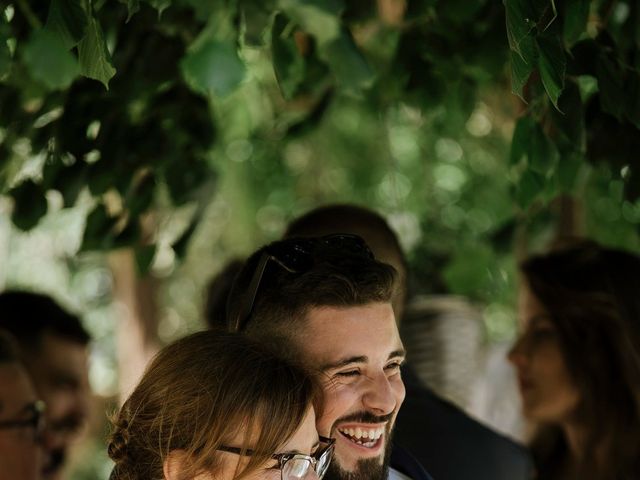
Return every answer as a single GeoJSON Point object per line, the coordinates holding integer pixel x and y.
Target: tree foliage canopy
{"type": "Point", "coordinates": [138, 101]}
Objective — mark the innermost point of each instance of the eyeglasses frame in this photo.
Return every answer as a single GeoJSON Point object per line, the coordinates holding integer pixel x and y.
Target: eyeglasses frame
{"type": "Point", "coordinates": [35, 421]}
{"type": "Point", "coordinates": [283, 458]}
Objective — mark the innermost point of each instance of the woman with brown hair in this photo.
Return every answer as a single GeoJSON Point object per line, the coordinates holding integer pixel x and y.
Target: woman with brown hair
{"type": "Point", "coordinates": [578, 362]}
{"type": "Point", "coordinates": [216, 405]}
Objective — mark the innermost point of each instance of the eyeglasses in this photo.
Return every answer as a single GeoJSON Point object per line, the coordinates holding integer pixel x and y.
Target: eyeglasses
{"type": "Point", "coordinates": [294, 466]}
{"type": "Point", "coordinates": [35, 419]}
{"type": "Point", "coordinates": [296, 255]}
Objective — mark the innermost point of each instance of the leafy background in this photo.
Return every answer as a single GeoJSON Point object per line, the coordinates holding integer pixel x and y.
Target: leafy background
{"type": "Point", "coordinates": [190, 132]}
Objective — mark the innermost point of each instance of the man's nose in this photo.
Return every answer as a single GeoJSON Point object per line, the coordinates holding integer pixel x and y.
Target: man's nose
{"type": "Point", "coordinates": [380, 396]}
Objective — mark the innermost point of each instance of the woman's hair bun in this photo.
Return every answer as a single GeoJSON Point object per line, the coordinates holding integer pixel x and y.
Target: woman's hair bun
{"type": "Point", "coordinates": [119, 442]}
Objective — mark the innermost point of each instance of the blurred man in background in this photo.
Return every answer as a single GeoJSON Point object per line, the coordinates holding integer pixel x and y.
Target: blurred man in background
{"type": "Point", "coordinates": [21, 419]}
{"type": "Point", "coordinates": [53, 344]}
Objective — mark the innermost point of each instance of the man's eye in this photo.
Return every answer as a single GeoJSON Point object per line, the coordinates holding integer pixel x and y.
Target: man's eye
{"type": "Point", "coordinates": [394, 366]}
{"type": "Point", "coordinates": [348, 373]}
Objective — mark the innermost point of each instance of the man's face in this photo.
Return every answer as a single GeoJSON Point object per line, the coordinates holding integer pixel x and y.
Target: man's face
{"type": "Point", "coordinates": [20, 454]}
{"type": "Point", "coordinates": [59, 372]}
{"type": "Point", "coordinates": [358, 352]}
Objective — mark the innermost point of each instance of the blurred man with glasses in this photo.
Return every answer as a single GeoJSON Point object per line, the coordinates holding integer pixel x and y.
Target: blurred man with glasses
{"type": "Point", "coordinates": [20, 418]}
{"type": "Point", "coordinates": [53, 345]}
{"type": "Point", "coordinates": [326, 302]}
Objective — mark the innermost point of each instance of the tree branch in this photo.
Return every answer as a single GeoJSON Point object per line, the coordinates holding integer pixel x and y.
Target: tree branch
{"type": "Point", "coordinates": [31, 17]}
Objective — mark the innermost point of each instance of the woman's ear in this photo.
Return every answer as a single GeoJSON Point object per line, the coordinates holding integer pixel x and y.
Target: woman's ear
{"type": "Point", "coordinates": [174, 465]}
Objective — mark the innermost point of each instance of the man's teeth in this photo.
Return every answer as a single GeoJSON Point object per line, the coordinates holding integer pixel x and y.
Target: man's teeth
{"type": "Point", "coordinates": [360, 434]}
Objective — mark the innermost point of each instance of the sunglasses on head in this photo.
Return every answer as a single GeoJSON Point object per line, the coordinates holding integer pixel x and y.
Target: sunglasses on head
{"type": "Point", "coordinates": [297, 466]}
{"type": "Point", "coordinates": [296, 256]}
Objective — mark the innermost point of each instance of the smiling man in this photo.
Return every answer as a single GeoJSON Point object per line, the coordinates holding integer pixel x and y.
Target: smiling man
{"type": "Point", "coordinates": [326, 302]}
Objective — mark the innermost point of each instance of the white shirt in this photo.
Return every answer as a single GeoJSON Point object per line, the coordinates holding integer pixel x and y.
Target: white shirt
{"type": "Point", "coordinates": [396, 475]}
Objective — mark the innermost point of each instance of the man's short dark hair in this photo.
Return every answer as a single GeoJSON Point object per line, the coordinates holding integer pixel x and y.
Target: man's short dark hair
{"type": "Point", "coordinates": [29, 316]}
{"type": "Point", "coordinates": [8, 348]}
{"type": "Point", "coordinates": [336, 278]}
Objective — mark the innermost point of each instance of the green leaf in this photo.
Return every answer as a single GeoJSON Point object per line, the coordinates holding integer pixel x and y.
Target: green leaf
{"type": "Point", "coordinates": [181, 244]}
{"type": "Point", "coordinates": [5, 57]}
{"type": "Point", "coordinates": [320, 18]}
{"type": "Point", "coordinates": [30, 205]}
{"type": "Point", "coordinates": [159, 5]}
{"type": "Point", "coordinates": [542, 153]}
{"type": "Point", "coordinates": [70, 181]}
{"type": "Point", "coordinates": [575, 20]}
{"type": "Point", "coordinates": [523, 64]}
{"type": "Point", "coordinates": [633, 105]}
{"type": "Point", "coordinates": [128, 236]}
{"type": "Point", "coordinates": [529, 188]}
{"type": "Point", "coordinates": [95, 61]}
{"type": "Point", "coordinates": [49, 61]}
{"type": "Point", "coordinates": [312, 120]}
{"type": "Point", "coordinates": [632, 185]}
{"type": "Point", "coordinates": [102, 176]}
{"type": "Point", "coordinates": [568, 121]}
{"type": "Point", "coordinates": [68, 19]}
{"type": "Point", "coordinates": [582, 58]}
{"type": "Point", "coordinates": [144, 258]}
{"type": "Point", "coordinates": [352, 71]}
{"type": "Point", "coordinates": [521, 141]}
{"type": "Point", "coordinates": [98, 232]}
{"type": "Point", "coordinates": [613, 98]}
{"type": "Point", "coordinates": [256, 19]}
{"type": "Point", "coordinates": [552, 64]}
{"type": "Point", "coordinates": [568, 171]}
{"type": "Point", "coordinates": [521, 19]}
{"type": "Point", "coordinates": [140, 197]}
{"type": "Point", "coordinates": [288, 62]}
{"type": "Point", "coordinates": [459, 11]}
{"type": "Point", "coordinates": [213, 67]}
{"type": "Point", "coordinates": [133, 6]}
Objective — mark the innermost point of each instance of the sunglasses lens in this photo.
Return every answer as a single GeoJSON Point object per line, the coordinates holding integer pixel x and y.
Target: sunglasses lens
{"type": "Point", "coordinates": [348, 243]}
{"type": "Point", "coordinates": [296, 469]}
{"type": "Point", "coordinates": [296, 257]}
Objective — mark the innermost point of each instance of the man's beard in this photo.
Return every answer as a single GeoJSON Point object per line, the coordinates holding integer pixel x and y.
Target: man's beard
{"type": "Point", "coordinates": [366, 468]}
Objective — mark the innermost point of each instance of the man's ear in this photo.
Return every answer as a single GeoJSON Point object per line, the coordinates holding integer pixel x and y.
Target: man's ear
{"type": "Point", "coordinates": [174, 465]}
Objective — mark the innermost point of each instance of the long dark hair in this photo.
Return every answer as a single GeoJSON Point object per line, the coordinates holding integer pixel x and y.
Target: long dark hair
{"type": "Point", "coordinates": [592, 295]}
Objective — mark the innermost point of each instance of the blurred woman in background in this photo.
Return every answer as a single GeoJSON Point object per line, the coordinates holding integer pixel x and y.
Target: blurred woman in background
{"type": "Point", "coordinates": [578, 362]}
{"type": "Point", "coordinates": [215, 405]}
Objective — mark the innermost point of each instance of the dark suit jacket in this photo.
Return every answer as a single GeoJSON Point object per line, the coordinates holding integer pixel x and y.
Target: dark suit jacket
{"type": "Point", "coordinates": [404, 462]}
{"type": "Point", "coordinates": [450, 444]}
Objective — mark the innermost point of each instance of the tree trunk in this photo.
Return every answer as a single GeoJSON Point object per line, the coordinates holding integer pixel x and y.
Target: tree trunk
{"type": "Point", "coordinates": [136, 308]}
